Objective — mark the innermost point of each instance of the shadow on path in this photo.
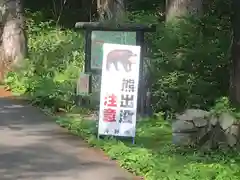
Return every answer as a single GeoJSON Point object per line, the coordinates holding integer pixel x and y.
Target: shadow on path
{"type": "Point", "coordinates": [33, 147]}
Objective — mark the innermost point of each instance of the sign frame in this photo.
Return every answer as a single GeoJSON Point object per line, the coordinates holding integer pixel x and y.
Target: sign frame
{"type": "Point", "coordinates": [140, 30]}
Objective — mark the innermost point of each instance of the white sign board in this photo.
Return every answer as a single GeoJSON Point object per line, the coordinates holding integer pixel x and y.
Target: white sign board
{"type": "Point", "coordinates": [119, 90]}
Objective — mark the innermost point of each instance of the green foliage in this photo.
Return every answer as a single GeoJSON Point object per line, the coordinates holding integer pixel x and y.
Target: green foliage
{"type": "Point", "coordinates": [54, 62]}
{"type": "Point", "coordinates": [189, 57]}
{"type": "Point", "coordinates": [222, 105]}
{"type": "Point", "coordinates": [190, 61]}
{"type": "Point", "coordinates": [189, 68]}
{"type": "Point", "coordinates": [154, 157]}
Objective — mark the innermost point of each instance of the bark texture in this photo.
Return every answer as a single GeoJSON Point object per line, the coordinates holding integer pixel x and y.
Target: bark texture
{"type": "Point", "coordinates": [13, 45]}
{"type": "Point", "coordinates": [235, 70]}
{"type": "Point", "coordinates": [111, 10]}
{"type": "Point", "coordinates": [179, 8]}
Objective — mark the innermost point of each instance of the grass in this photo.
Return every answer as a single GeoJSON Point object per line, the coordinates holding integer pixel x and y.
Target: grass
{"type": "Point", "coordinates": [154, 157]}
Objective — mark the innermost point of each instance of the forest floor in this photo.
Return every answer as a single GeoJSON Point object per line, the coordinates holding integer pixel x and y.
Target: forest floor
{"type": "Point", "coordinates": [33, 146]}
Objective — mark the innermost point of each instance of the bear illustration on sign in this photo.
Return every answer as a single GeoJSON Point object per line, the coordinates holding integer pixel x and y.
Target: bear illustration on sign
{"type": "Point", "coordinates": [124, 57]}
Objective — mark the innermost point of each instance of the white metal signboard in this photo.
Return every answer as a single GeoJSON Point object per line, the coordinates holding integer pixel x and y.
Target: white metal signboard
{"type": "Point", "coordinates": [119, 90]}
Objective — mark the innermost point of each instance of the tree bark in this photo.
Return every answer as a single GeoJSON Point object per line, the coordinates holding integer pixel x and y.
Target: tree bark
{"type": "Point", "coordinates": [119, 10]}
{"type": "Point", "coordinates": [111, 10]}
{"type": "Point", "coordinates": [179, 8]}
{"type": "Point", "coordinates": [235, 70]}
{"type": "Point", "coordinates": [86, 7]}
{"type": "Point", "coordinates": [13, 46]}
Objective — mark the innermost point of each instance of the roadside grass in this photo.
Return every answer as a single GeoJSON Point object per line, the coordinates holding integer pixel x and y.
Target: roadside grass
{"type": "Point", "coordinates": [153, 156]}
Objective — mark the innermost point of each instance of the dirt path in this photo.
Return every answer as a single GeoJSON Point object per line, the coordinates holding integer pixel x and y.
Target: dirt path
{"type": "Point", "coordinates": [32, 147]}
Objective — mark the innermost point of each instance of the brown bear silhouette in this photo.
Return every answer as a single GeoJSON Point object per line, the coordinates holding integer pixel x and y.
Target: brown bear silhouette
{"type": "Point", "coordinates": [120, 56]}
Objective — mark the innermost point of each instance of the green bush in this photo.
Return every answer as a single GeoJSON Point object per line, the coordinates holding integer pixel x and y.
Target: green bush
{"type": "Point", "coordinates": [189, 58]}
{"type": "Point", "coordinates": [55, 59]}
{"type": "Point", "coordinates": [190, 66]}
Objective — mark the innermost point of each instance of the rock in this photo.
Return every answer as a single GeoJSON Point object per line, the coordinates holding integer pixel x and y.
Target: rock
{"type": "Point", "coordinates": [206, 147]}
{"type": "Point", "coordinates": [183, 126]}
{"type": "Point", "coordinates": [200, 122]}
{"type": "Point", "coordinates": [226, 120]}
{"type": "Point", "coordinates": [223, 146]}
{"type": "Point", "coordinates": [202, 132]}
{"type": "Point", "coordinates": [183, 139]}
{"type": "Point", "coordinates": [234, 130]}
{"type": "Point", "coordinates": [231, 140]}
{"type": "Point", "coordinates": [191, 114]}
{"type": "Point", "coordinates": [213, 121]}
{"type": "Point", "coordinates": [219, 134]}
{"type": "Point", "coordinates": [196, 126]}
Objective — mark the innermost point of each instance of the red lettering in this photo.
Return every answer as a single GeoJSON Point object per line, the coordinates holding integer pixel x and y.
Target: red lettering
{"type": "Point", "coordinates": [109, 115]}
{"type": "Point", "coordinates": [111, 101]}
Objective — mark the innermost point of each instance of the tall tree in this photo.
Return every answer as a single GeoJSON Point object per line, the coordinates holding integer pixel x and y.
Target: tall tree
{"type": "Point", "coordinates": [178, 8]}
{"type": "Point", "coordinates": [111, 10]}
{"type": "Point", "coordinates": [13, 45]}
{"type": "Point", "coordinates": [235, 70]}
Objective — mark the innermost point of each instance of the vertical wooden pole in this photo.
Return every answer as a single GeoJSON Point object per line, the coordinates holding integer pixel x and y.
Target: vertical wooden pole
{"type": "Point", "coordinates": [141, 88]}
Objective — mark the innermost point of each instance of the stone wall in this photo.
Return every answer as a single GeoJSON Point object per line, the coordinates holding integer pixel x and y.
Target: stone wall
{"type": "Point", "coordinates": [196, 127]}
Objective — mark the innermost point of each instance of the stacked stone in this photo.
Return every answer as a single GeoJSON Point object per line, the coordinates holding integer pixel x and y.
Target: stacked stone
{"type": "Point", "coordinates": [198, 127]}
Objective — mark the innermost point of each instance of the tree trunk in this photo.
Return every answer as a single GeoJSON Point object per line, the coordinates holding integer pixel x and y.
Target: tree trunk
{"type": "Point", "coordinates": [111, 10]}
{"type": "Point", "coordinates": [86, 7]}
{"type": "Point", "coordinates": [118, 10]}
{"type": "Point", "coordinates": [13, 46]}
{"type": "Point", "coordinates": [235, 71]}
{"type": "Point", "coordinates": [179, 8]}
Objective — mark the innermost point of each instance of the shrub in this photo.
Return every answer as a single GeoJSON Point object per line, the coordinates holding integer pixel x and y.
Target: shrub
{"type": "Point", "coordinates": [55, 60]}
{"type": "Point", "coordinates": [189, 63]}
{"type": "Point", "coordinates": [189, 58]}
